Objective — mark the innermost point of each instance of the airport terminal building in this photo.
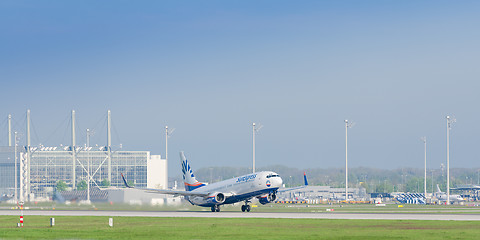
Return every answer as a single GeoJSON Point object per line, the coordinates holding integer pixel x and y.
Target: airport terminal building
{"type": "Point", "coordinates": [31, 173]}
{"type": "Point", "coordinates": [7, 171]}
{"type": "Point", "coordinates": [322, 194]}
{"type": "Point", "coordinates": [38, 174]}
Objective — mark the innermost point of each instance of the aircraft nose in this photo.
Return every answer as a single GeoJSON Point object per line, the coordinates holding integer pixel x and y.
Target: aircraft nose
{"type": "Point", "coordinates": [278, 182]}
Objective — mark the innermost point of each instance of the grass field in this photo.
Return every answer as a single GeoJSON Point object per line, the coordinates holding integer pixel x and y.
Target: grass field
{"type": "Point", "coordinates": [37, 227]}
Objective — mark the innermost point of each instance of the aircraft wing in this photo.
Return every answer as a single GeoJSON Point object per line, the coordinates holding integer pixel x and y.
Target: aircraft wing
{"type": "Point", "coordinates": [289, 189]}
{"type": "Point", "coordinates": [5, 197]}
{"type": "Point", "coordinates": [164, 191]}
{"type": "Point", "coordinates": [295, 188]}
{"type": "Point", "coordinates": [466, 187]}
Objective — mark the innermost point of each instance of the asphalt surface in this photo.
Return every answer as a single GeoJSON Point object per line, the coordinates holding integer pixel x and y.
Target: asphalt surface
{"type": "Point", "coordinates": [384, 216]}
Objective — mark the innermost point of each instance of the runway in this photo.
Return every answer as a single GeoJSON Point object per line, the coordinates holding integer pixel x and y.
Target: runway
{"type": "Point", "coordinates": [290, 215]}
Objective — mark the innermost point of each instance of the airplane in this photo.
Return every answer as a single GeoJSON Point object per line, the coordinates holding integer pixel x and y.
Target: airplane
{"type": "Point", "coordinates": [442, 196]}
{"type": "Point", "coordinates": [261, 185]}
{"type": "Point", "coordinates": [6, 197]}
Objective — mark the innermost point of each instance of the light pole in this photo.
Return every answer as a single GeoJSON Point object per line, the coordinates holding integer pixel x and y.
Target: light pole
{"type": "Point", "coordinates": [347, 125]}
{"type": "Point", "coordinates": [432, 182]}
{"type": "Point", "coordinates": [16, 143]}
{"type": "Point", "coordinates": [167, 135]}
{"type": "Point", "coordinates": [255, 129]}
{"type": "Point", "coordinates": [424, 139]}
{"type": "Point", "coordinates": [253, 168]}
{"type": "Point", "coordinates": [166, 143]}
{"type": "Point", "coordinates": [449, 122]}
{"type": "Point", "coordinates": [88, 166]}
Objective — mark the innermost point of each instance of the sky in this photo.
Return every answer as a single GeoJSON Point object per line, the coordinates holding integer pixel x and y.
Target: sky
{"type": "Point", "coordinates": [210, 69]}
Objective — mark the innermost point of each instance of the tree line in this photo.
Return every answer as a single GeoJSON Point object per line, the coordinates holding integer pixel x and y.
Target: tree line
{"type": "Point", "coordinates": [372, 179]}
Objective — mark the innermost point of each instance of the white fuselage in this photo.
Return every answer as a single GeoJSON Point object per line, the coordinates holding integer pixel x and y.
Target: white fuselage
{"type": "Point", "coordinates": [443, 197]}
{"type": "Point", "coordinates": [239, 189]}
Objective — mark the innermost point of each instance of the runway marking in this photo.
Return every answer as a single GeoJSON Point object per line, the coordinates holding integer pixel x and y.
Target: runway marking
{"type": "Point", "coordinates": [376, 216]}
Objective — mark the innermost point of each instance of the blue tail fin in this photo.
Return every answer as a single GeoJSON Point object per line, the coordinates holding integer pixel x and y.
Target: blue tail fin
{"type": "Point", "coordinates": [305, 178]}
{"type": "Point", "coordinates": [189, 179]}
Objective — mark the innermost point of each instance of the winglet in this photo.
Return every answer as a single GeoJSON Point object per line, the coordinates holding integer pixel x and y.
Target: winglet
{"type": "Point", "coordinates": [125, 181]}
{"type": "Point", "coordinates": [305, 178]}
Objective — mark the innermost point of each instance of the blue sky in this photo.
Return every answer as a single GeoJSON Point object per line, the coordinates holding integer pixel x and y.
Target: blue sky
{"type": "Point", "coordinates": [211, 68]}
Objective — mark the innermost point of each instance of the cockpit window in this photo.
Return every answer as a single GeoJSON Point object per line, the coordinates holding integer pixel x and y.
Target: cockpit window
{"type": "Point", "coordinates": [272, 175]}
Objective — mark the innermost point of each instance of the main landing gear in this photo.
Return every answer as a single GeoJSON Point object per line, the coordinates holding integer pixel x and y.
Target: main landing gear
{"type": "Point", "coordinates": [246, 207]}
{"type": "Point", "coordinates": [215, 208]}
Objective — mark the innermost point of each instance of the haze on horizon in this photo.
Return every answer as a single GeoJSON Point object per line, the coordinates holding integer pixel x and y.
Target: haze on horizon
{"type": "Point", "coordinates": [211, 68]}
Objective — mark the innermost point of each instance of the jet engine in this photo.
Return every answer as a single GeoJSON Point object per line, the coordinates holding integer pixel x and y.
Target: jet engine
{"type": "Point", "coordinates": [216, 198]}
{"type": "Point", "coordinates": [267, 198]}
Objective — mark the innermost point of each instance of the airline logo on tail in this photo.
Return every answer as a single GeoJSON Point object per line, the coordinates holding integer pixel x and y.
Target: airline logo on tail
{"type": "Point", "coordinates": [189, 179]}
{"type": "Point", "coordinates": [186, 169]}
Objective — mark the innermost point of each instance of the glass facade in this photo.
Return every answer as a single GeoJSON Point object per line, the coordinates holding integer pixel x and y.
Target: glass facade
{"type": "Point", "coordinates": [49, 166]}
{"type": "Point", "coordinates": [7, 170]}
